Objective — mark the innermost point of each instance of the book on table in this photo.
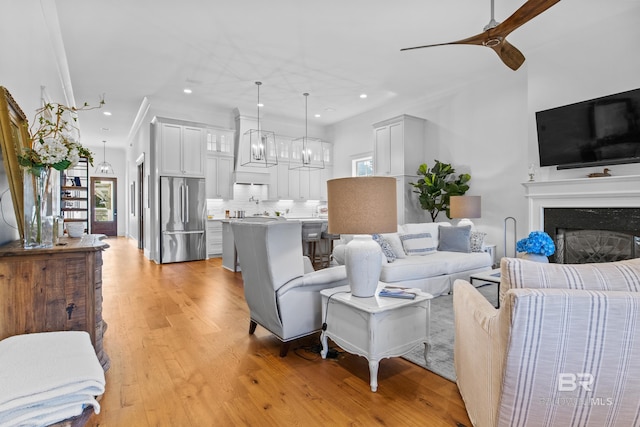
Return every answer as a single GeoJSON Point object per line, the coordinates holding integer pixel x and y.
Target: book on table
{"type": "Point", "coordinates": [396, 293]}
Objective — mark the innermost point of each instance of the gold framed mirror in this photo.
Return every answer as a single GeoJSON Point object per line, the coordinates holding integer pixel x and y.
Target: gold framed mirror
{"type": "Point", "coordinates": [14, 136]}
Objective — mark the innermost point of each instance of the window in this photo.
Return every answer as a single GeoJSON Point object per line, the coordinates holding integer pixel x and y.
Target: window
{"type": "Point", "coordinates": [362, 166]}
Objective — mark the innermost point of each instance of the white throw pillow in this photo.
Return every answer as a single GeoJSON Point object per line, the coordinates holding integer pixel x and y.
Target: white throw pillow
{"type": "Point", "coordinates": [418, 243]}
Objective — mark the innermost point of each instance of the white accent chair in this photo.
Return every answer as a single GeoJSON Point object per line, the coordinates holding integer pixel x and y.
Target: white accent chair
{"type": "Point", "coordinates": [562, 349]}
{"type": "Point", "coordinates": [280, 286]}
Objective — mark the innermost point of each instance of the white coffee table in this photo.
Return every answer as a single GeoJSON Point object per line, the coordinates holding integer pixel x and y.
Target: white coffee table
{"type": "Point", "coordinates": [375, 327]}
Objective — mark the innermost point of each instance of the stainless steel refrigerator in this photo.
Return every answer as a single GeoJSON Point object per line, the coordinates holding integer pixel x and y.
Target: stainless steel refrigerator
{"type": "Point", "coordinates": [182, 219]}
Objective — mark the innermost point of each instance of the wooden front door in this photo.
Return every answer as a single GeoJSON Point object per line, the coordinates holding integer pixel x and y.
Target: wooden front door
{"type": "Point", "coordinates": [104, 212]}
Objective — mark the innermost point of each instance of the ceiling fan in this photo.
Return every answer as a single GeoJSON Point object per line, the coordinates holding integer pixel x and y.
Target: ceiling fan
{"type": "Point", "coordinates": [495, 34]}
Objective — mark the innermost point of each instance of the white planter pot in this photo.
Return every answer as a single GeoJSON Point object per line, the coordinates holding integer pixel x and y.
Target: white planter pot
{"type": "Point", "coordinates": [533, 257]}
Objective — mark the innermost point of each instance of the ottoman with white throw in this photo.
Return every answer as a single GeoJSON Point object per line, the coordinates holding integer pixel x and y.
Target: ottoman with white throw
{"type": "Point", "coordinates": [48, 377]}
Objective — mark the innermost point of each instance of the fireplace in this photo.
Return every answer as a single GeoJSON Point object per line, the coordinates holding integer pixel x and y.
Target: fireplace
{"type": "Point", "coordinates": [590, 219]}
{"type": "Point", "coordinates": [587, 235]}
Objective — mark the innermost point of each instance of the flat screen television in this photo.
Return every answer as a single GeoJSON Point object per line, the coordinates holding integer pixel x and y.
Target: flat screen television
{"type": "Point", "coordinates": [601, 131]}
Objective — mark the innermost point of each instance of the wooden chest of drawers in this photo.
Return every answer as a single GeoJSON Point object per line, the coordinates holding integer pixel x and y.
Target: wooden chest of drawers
{"type": "Point", "coordinates": [56, 289]}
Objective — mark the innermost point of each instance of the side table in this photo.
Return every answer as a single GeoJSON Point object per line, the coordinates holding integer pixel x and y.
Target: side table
{"type": "Point", "coordinates": [491, 276]}
{"type": "Point", "coordinates": [375, 327]}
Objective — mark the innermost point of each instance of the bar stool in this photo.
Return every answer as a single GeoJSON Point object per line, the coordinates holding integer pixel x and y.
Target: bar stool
{"type": "Point", "coordinates": [311, 235]}
{"type": "Point", "coordinates": [330, 239]}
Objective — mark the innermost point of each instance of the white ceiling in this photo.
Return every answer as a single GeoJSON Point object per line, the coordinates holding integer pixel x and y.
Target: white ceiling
{"type": "Point", "coordinates": [333, 49]}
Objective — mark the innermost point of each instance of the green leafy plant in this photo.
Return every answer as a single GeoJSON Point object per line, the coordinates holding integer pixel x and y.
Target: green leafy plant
{"type": "Point", "coordinates": [437, 186]}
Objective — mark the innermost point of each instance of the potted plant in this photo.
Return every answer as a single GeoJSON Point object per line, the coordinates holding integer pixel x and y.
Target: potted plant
{"type": "Point", "coordinates": [437, 186]}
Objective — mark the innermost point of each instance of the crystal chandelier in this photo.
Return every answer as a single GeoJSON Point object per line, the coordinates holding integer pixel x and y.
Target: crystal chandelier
{"type": "Point", "coordinates": [104, 167]}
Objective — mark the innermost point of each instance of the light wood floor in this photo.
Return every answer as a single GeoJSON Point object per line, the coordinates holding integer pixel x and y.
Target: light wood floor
{"type": "Point", "coordinates": [181, 356]}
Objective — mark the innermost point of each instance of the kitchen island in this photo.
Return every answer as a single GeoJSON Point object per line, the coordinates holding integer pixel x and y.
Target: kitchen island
{"type": "Point", "coordinates": [229, 253]}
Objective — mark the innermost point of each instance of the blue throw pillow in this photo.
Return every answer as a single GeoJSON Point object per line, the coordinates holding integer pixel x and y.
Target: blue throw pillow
{"type": "Point", "coordinates": [385, 246]}
{"type": "Point", "coordinates": [455, 239]}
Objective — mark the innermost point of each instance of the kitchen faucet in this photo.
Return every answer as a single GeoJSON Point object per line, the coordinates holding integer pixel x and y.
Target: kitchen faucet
{"type": "Point", "coordinates": [255, 199]}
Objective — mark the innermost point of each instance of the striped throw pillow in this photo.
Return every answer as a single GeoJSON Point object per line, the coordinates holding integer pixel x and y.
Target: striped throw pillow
{"type": "Point", "coordinates": [418, 243]}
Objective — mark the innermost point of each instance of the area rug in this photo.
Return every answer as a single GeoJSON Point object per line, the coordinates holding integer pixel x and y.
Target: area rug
{"type": "Point", "coordinates": [442, 333]}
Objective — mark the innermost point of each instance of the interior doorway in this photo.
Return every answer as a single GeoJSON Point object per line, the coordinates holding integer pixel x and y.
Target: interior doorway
{"type": "Point", "coordinates": [104, 212]}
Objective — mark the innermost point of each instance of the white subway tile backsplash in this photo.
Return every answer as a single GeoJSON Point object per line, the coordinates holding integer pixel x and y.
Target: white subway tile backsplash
{"type": "Point", "coordinates": [242, 194]}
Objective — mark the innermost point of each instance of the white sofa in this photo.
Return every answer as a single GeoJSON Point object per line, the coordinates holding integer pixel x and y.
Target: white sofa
{"type": "Point", "coordinates": [434, 272]}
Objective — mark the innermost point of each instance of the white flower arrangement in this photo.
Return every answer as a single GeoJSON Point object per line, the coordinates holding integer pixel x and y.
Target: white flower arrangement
{"type": "Point", "coordinates": [52, 142]}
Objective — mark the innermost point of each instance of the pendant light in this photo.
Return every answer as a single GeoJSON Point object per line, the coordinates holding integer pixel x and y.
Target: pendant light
{"type": "Point", "coordinates": [306, 153]}
{"type": "Point", "coordinates": [259, 148]}
{"type": "Point", "coordinates": [104, 167]}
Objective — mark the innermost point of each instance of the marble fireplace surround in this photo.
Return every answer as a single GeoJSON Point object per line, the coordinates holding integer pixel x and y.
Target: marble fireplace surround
{"type": "Point", "coordinates": [600, 196]}
{"type": "Point", "coordinates": [605, 192]}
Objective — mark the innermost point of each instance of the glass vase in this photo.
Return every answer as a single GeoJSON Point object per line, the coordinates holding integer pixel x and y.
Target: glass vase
{"type": "Point", "coordinates": [38, 212]}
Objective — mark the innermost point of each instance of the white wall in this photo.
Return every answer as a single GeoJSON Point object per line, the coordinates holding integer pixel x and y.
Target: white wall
{"type": "Point", "coordinates": [480, 129]}
{"type": "Point", "coordinates": [584, 65]}
{"type": "Point", "coordinates": [487, 128]}
{"type": "Point", "coordinates": [23, 73]}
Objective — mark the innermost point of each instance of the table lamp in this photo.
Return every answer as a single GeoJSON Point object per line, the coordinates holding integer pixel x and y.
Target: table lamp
{"type": "Point", "coordinates": [362, 206]}
{"type": "Point", "coordinates": [464, 207]}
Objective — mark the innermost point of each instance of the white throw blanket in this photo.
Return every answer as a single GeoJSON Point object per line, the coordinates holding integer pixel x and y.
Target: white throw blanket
{"type": "Point", "coordinates": [48, 377]}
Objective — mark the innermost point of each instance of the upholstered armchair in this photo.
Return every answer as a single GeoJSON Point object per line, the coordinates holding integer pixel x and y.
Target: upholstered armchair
{"type": "Point", "coordinates": [280, 286]}
{"type": "Point", "coordinates": [563, 349]}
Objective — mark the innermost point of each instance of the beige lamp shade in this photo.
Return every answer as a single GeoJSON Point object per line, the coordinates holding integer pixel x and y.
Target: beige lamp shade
{"type": "Point", "coordinates": [362, 205]}
{"type": "Point", "coordinates": [464, 206]}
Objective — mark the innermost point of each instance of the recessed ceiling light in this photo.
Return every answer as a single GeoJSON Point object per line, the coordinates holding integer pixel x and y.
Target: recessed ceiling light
{"type": "Point", "coordinates": [317, 115]}
{"type": "Point", "coordinates": [107, 113]}
{"type": "Point", "coordinates": [261, 105]}
{"type": "Point", "coordinates": [187, 90]}
{"type": "Point", "coordinates": [363, 95]}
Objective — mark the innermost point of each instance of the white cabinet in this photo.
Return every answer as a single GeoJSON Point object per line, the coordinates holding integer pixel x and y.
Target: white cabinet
{"type": "Point", "coordinates": [214, 238]}
{"type": "Point", "coordinates": [398, 146]}
{"type": "Point", "coordinates": [181, 149]}
{"type": "Point", "coordinates": [219, 140]}
{"type": "Point", "coordinates": [315, 184]}
{"type": "Point", "coordinates": [229, 253]}
{"type": "Point", "coordinates": [325, 175]}
{"type": "Point", "coordinates": [299, 184]}
{"type": "Point", "coordinates": [399, 150]}
{"type": "Point", "coordinates": [219, 164]}
{"type": "Point", "coordinates": [288, 183]}
{"type": "Point", "coordinates": [219, 170]}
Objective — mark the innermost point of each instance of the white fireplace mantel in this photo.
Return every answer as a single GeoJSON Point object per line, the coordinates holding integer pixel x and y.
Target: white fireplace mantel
{"type": "Point", "coordinates": [604, 192]}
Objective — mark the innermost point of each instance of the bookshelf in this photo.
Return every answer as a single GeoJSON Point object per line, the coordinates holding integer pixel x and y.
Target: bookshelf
{"type": "Point", "coordinates": [74, 194]}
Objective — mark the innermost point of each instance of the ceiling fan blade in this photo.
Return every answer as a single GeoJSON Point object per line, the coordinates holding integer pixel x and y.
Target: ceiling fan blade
{"type": "Point", "coordinates": [524, 14]}
{"type": "Point", "coordinates": [478, 39]}
{"type": "Point", "coordinates": [496, 37]}
{"type": "Point", "coordinates": [509, 54]}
